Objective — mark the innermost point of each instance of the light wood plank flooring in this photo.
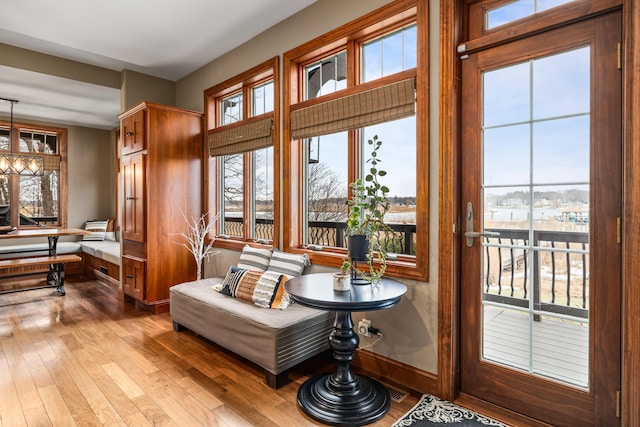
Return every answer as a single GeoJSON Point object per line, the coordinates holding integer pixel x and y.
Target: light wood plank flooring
{"type": "Point", "coordinates": [88, 359]}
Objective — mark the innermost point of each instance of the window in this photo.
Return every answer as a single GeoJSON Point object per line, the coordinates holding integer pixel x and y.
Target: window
{"type": "Point", "coordinates": [361, 80]}
{"type": "Point", "coordinates": [518, 9]}
{"type": "Point", "coordinates": [34, 200]}
{"type": "Point", "coordinates": [241, 113]}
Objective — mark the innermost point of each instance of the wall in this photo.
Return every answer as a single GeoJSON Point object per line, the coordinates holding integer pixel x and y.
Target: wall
{"type": "Point", "coordinates": [91, 175]}
{"type": "Point", "coordinates": [47, 64]}
{"type": "Point", "coordinates": [137, 87]}
{"type": "Point", "coordinates": [410, 329]}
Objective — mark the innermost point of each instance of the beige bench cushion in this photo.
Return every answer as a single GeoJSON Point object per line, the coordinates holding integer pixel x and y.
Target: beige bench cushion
{"type": "Point", "coordinates": [273, 339]}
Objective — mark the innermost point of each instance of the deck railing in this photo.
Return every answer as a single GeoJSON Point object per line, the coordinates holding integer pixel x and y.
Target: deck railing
{"type": "Point", "coordinates": [560, 270]}
{"type": "Point", "coordinates": [400, 239]}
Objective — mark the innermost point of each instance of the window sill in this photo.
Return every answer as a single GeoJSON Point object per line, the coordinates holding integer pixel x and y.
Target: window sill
{"type": "Point", "coordinates": [403, 268]}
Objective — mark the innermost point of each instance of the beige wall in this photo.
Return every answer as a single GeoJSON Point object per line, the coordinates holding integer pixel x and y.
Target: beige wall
{"type": "Point", "coordinates": [410, 329]}
{"type": "Point", "coordinates": [34, 61]}
{"type": "Point", "coordinates": [91, 175]}
{"type": "Point", "coordinates": [138, 87]}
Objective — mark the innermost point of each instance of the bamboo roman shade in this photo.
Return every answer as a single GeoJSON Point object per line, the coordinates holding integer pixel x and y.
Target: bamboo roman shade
{"type": "Point", "coordinates": [246, 136]}
{"type": "Point", "coordinates": [51, 163]}
{"type": "Point", "coordinates": [366, 108]}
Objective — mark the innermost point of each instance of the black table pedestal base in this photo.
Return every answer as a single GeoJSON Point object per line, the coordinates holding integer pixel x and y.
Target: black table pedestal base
{"type": "Point", "coordinates": [343, 398]}
{"type": "Point", "coordinates": [366, 403]}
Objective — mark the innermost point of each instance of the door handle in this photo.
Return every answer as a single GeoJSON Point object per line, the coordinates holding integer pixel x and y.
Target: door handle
{"type": "Point", "coordinates": [469, 233]}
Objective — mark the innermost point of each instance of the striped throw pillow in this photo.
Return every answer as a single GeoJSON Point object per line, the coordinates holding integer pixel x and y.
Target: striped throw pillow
{"type": "Point", "coordinates": [254, 258]}
{"type": "Point", "coordinates": [264, 289]}
{"type": "Point", "coordinates": [97, 229]}
{"type": "Point", "coordinates": [290, 264]}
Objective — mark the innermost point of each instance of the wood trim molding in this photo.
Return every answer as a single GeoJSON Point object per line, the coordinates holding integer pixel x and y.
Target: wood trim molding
{"type": "Point", "coordinates": [542, 21]}
{"type": "Point", "coordinates": [450, 19]}
{"type": "Point", "coordinates": [394, 372]}
{"type": "Point", "coordinates": [631, 219]}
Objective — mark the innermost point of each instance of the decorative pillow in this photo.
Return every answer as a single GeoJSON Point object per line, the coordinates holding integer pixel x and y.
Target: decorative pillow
{"type": "Point", "coordinates": [290, 264]}
{"type": "Point", "coordinates": [264, 289]}
{"type": "Point", "coordinates": [254, 258]}
{"type": "Point", "coordinates": [111, 230]}
{"type": "Point", "coordinates": [281, 298]}
{"type": "Point", "coordinates": [98, 230]}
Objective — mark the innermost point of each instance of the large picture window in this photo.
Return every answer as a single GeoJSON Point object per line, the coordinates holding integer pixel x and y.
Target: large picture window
{"type": "Point", "coordinates": [241, 117]}
{"type": "Point", "coordinates": [341, 90]}
{"type": "Point", "coordinates": [27, 200]}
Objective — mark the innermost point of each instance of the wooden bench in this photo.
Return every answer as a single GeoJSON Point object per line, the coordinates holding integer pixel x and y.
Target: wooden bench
{"type": "Point", "coordinates": [55, 275]}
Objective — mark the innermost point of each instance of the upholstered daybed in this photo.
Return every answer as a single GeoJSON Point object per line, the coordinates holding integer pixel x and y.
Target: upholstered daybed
{"type": "Point", "coordinates": [275, 339]}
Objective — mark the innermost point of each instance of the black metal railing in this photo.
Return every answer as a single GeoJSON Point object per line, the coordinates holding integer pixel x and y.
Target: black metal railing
{"type": "Point", "coordinates": [560, 270]}
{"type": "Point", "coordinates": [399, 239]}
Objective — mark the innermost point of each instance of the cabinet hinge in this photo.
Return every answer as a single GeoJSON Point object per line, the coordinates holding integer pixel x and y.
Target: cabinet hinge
{"type": "Point", "coordinates": [619, 230]}
{"type": "Point", "coordinates": [619, 56]}
{"type": "Point", "coordinates": [618, 403]}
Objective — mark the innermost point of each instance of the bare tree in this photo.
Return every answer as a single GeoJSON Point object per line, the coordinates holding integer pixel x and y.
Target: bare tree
{"type": "Point", "coordinates": [326, 194]}
{"type": "Point", "coordinates": [233, 173]}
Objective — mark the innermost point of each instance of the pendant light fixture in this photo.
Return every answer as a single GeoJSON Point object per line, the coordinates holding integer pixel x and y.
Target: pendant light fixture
{"type": "Point", "coordinates": [19, 164]}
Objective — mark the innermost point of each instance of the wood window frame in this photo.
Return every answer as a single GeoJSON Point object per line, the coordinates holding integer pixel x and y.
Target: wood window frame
{"type": "Point", "coordinates": [243, 83]}
{"type": "Point", "coordinates": [350, 37]}
{"type": "Point", "coordinates": [14, 180]}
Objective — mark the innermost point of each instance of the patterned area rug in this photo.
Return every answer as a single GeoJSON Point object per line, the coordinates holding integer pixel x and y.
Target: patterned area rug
{"type": "Point", "coordinates": [431, 411]}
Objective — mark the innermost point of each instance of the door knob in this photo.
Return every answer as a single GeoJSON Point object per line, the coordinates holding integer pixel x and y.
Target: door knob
{"type": "Point", "coordinates": [469, 233]}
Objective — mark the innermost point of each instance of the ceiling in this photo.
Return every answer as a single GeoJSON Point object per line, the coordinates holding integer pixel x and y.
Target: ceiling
{"type": "Point", "coordinates": [162, 38]}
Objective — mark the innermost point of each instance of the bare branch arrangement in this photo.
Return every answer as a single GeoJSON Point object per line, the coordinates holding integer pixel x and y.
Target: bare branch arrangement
{"type": "Point", "coordinates": [195, 238]}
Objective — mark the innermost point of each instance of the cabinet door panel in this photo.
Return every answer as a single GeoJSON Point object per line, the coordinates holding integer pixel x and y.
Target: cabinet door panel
{"type": "Point", "coordinates": [134, 277]}
{"type": "Point", "coordinates": [133, 224]}
{"type": "Point", "coordinates": [133, 134]}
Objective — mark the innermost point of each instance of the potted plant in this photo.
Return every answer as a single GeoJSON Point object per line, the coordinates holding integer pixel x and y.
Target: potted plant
{"type": "Point", "coordinates": [342, 279]}
{"type": "Point", "coordinates": [367, 207]}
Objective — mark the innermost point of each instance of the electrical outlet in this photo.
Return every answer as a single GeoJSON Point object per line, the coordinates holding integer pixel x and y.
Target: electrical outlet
{"type": "Point", "coordinates": [363, 327]}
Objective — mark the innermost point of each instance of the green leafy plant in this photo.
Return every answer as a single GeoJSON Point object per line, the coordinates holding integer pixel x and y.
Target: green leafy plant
{"type": "Point", "coordinates": [367, 207]}
{"type": "Point", "coordinates": [346, 266]}
{"type": "Point", "coordinates": [369, 202]}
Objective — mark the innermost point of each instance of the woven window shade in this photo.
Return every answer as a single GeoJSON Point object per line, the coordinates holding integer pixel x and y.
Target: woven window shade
{"type": "Point", "coordinates": [382, 104]}
{"type": "Point", "coordinates": [51, 163]}
{"type": "Point", "coordinates": [234, 139]}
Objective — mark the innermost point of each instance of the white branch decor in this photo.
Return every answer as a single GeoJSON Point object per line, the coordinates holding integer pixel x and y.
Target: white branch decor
{"type": "Point", "coordinates": [197, 231]}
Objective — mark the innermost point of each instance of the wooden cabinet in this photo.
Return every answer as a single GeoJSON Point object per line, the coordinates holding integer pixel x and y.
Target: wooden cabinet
{"type": "Point", "coordinates": [161, 179]}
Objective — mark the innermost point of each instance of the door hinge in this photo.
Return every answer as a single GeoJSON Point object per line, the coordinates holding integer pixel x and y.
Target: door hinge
{"type": "Point", "coordinates": [618, 403]}
{"type": "Point", "coordinates": [619, 56]}
{"type": "Point", "coordinates": [619, 229]}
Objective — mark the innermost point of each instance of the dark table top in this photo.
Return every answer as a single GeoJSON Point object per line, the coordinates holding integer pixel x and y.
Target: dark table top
{"type": "Point", "coordinates": [316, 290]}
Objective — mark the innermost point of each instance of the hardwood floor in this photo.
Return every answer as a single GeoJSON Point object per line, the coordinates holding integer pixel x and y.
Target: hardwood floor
{"type": "Point", "coordinates": [89, 359]}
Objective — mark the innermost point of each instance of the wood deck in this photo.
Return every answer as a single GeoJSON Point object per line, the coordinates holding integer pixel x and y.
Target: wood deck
{"type": "Point", "coordinates": [560, 350]}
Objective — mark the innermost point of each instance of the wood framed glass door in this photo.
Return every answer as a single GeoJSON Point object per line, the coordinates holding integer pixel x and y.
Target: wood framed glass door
{"type": "Point", "coordinates": [541, 194]}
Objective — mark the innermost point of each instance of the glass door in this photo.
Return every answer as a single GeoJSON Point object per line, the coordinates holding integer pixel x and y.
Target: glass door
{"type": "Point", "coordinates": [541, 178]}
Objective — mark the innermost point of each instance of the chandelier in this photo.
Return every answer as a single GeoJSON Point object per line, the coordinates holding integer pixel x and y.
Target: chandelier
{"type": "Point", "coordinates": [19, 164]}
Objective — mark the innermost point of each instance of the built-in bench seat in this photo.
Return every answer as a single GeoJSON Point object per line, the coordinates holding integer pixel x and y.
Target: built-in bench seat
{"type": "Point", "coordinates": [102, 260]}
{"type": "Point", "coordinates": [107, 250]}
